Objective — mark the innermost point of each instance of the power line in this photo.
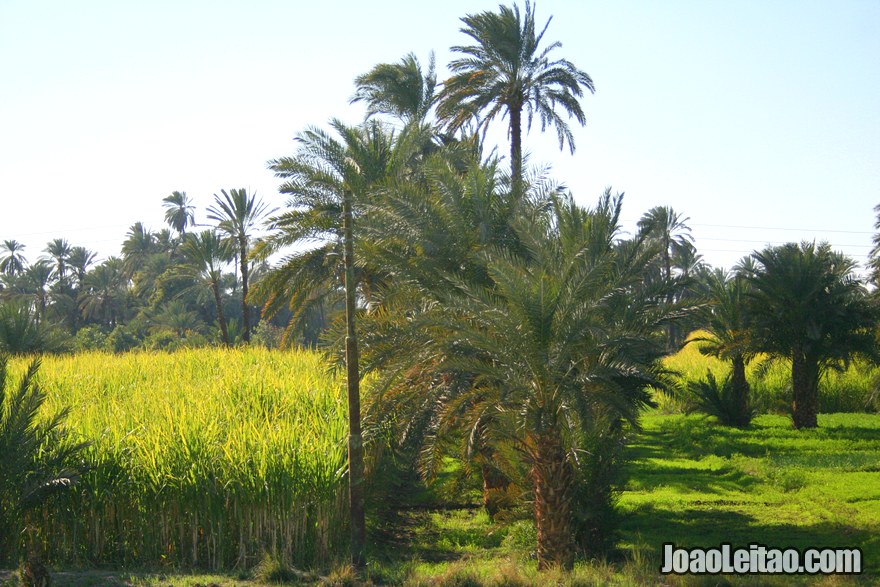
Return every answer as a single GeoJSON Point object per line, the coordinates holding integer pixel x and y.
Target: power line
{"type": "Point", "coordinates": [738, 240]}
{"type": "Point", "coordinates": [745, 227]}
{"type": "Point", "coordinates": [783, 228]}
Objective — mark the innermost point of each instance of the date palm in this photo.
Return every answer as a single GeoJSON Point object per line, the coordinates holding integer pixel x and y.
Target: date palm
{"type": "Point", "coordinates": [179, 211]}
{"type": "Point", "coordinates": [670, 232]}
{"type": "Point", "coordinates": [205, 253]}
{"type": "Point", "coordinates": [506, 73]}
{"type": "Point", "coordinates": [38, 461]}
{"type": "Point", "coordinates": [874, 256]}
{"type": "Point", "coordinates": [138, 246]}
{"type": "Point", "coordinates": [565, 331]}
{"type": "Point", "coordinates": [80, 260]}
{"type": "Point", "coordinates": [59, 251]}
{"type": "Point", "coordinates": [237, 214]}
{"type": "Point", "coordinates": [726, 323]}
{"type": "Point", "coordinates": [13, 261]}
{"type": "Point", "coordinates": [35, 283]}
{"type": "Point", "coordinates": [807, 306]}
{"type": "Point", "coordinates": [401, 90]}
{"type": "Point", "coordinates": [103, 292]}
{"type": "Point", "coordinates": [330, 181]}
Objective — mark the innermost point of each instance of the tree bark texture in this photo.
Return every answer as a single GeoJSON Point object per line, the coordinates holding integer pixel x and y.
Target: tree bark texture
{"type": "Point", "coordinates": [805, 391]}
{"type": "Point", "coordinates": [553, 479]}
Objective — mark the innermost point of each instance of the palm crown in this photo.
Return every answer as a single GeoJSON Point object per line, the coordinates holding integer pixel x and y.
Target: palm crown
{"type": "Point", "coordinates": [505, 72]}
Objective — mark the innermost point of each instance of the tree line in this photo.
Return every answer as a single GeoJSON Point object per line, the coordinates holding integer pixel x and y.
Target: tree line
{"type": "Point", "coordinates": [506, 323]}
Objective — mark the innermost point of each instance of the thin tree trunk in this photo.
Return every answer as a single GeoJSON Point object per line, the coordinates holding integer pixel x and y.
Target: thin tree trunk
{"type": "Point", "coordinates": [516, 151]}
{"type": "Point", "coordinates": [740, 387]}
{"type": "Point", "coordinates": [667, 266]}
{"type": "Point", "coordinates": [805, 389]}
{"type": "Point", "coordinates": [221, 318]}
{"type": "Point", "coordinates": [553, 480]}
{"type": "Point", "coordinates": [355, 443]}
{"type": "Point", "coordinates": [245, 314]}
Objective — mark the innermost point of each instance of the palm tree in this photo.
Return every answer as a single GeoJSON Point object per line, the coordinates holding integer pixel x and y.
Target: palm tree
{"type": "Point", "coordinates": [103, 291]}
{"type": "Point", "coordinates": [137, 247]}
{"type": "Point", "coordinates": [205, 253]}
{"type": "Point", "coordinates": [807, 306]}
{"type": "Point", "coordinates": [237, 214]}
{"type": "Point", "coordinates": [179, 211]}
{"type": "Point", "coordinates": [13, 262]}
{"type": "Point", "coordinates": [59, 250]}
{"type": "Point", "coordinates": [400, 89]}
{"type": "Point", "coordinates": [874, 257]}
{"type": "Point", "coordinates": [726, 323]}
{"type": "Point", "coordinates": [317, 179]}
{"type": "Point", "coordinates": [330, 181]}
{"type": "Point", "coordinates": [506, 72]}
{"type": "Point", "coordinates": [670, 231]}
{"type": "Point", "coordinates": [35, 282]}
{"type": "Point", "coordinates": [553, 337]}
{"type": "Point", "coordinates": [21, 331]}
{"type": "Point", "coordinates": [38, 462]}
{"type": "Point", "coordinates": [80, 260]}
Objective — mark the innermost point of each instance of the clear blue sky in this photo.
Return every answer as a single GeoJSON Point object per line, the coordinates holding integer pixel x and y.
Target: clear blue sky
{"type": "Point", "coordinates": [749, 117]}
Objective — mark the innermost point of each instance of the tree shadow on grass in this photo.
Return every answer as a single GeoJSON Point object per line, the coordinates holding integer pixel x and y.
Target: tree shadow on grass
{"type": "Point", "coordinates": [437, 536]}
{"type": "Point", "coordinates": [650, 527]}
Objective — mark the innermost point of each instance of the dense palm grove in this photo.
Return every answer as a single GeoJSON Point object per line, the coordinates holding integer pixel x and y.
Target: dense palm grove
{"type": "Point", "coordinates": [506, 323]}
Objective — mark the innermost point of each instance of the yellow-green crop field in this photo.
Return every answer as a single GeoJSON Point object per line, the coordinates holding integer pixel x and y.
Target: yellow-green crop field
{"type": "Point", "coordinates": [203, 458]}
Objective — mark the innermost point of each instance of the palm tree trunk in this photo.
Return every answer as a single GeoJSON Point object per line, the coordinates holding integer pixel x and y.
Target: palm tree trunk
{"type": "Point", "coordinates": [495, 482]}
{"type": "Point", "coordinates": [221, 318]}
{"type": "Point", "coordinates": [667, 266]}
{"type": "Point", "coordinates": [355, 443]}
{"type": "Point", "coordinates": [245, 314]}
{"type": "Point", "coordinates": [516, 176]}
{"type": "Point", "coordinates": [740, 388]}
{"type": "Point", "coordinates": [805, 388]}
{"type": "Point", "coordinates": [553, 479]}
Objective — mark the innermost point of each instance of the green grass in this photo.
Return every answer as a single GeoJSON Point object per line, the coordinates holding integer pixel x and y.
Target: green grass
{"type": "Point", "coordinates": [698, 484]}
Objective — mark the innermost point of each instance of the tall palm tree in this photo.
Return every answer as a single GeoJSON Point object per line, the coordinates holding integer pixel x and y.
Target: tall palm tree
{"type": "Point", "coordinates": [506, 72]}
{"type": "Point", "coordinates": [238, 214]}
{"type": "Point", "coordinates": [179, 211]}
{"type": "Point", "coordinates": [13, 261]}
{"type": "Point", "coordinates": [35, 281]}
{"type": "Point", "coordinates": [807, 306]}
{"type": "Point", "coordinates": [205, 253]}
{"type": "Point", "coordinates": [103, 292]}
{"type": "Point", "coordinates": [59, 251]}
{"type": "Point", "coordinates": [137, 247]}
{"type": "Point", "coordinates": [670, 231]}
{"type": "Point", "coordinates": [80, 260]}
{"type": "Point", "coordinates": [874, 257]}
{"type": "Point", "coordinates": [330, 181]}
{"type": "Point", "coordinates": [401, 90]}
